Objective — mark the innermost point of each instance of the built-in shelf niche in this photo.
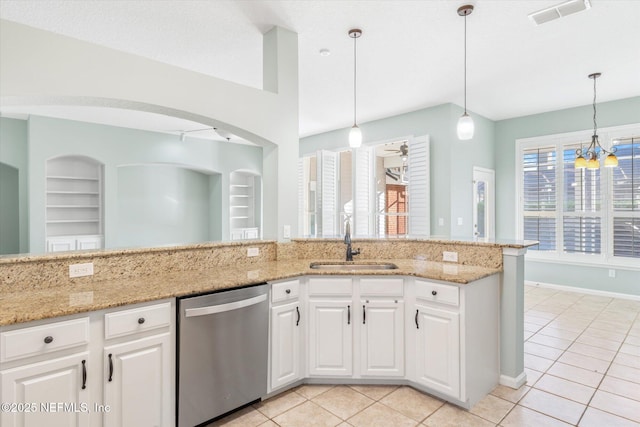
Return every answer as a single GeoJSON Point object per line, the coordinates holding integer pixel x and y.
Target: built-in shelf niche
{"type": "Point", "coordinates": [244, 205]}
{"type": "Point", "coordinates": [74, 203]}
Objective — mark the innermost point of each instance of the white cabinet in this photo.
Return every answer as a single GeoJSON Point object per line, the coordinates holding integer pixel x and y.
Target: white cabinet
{"type": "Point", "coordinates": [330, 337]}
{"type": "Point", "coordinates": [382, 338]}
{"type": "Point", "coordinates": [138, 377]}
{"type": "Point", "coordinates": [111, 368]}
{"type": "Point", "coordinates": [356, 327]}
{"type": "Point", "coordinates": [45, 374]}
{"type": "Point", "coordinates": [454, 343]}
{"type": "Point", "coordinates": [438, 349]}
{"type": "Point", "coordinates": [382, 326]}
{"type": "Point", "coordinates": [287, 323]}
{"type": "Point", "coordinates": [285, 344]}
{"type": "Point", "coordinates": [244, 206]}
{"type": "Point", "coordinates": [138, 366]}
{"type": "Point", "coordinates": [48, 393]}
{"type": "Point", "coordinates": [74, 209]}
{"type": "Point", "coordinates": [330, 328]}
{"type": "Point", "coordinates": [74, 243]}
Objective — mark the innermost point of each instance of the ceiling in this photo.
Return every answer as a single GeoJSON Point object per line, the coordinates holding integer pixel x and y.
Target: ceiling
{"type": "Point", "coordinates": [410, 55]}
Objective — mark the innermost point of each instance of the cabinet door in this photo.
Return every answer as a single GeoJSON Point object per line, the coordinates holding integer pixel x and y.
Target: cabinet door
{"type": "Point", "coordinates": [137, 383]}
{"type": "Point", "coordinates": [61, 244]}
{"type": "Point", "coordinates": [285, 344]}
{"type": "Point", "coordinates": [87, 243]}
{"type": "Point", "coordinates": [382, 338]}
{"type": "Point", "coordinates": [438, 349]}
{"type": "Point", "coordinates": [53, 391]}
{"type": "Point", "coordinates": [330, 338]}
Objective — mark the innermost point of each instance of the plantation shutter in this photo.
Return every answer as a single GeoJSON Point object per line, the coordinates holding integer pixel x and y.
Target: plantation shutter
{"type": "Point", "coordinates": [419, 187]}
{"type": "Point", "coordinates": [363, 196]}
{"type": "Point", "coordinates": [539, 197]}
{"type": "Point", "coordinates": [626, 200]}
{"type": "Point", "coordinates": [327, 193]}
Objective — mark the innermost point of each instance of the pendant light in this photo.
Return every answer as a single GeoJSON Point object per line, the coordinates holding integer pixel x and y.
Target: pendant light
{"type": "Point", "coordinates": [355, 135]}
{"type": "Point", "coordinates": [465, 126]}
{"type": "Point", "coordinates": [589, 159]}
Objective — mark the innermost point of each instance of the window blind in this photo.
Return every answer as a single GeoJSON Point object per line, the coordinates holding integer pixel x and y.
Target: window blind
{"type": "Point", "coordinates": [539, 196]}
{"type": "Point", "coordinates": [626, 199]}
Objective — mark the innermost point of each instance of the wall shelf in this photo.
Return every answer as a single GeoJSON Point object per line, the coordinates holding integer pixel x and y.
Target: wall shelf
{"type": "Point", "coordinates": [244, 206]}
{"type": "Point", "coordinates": [73, 203]}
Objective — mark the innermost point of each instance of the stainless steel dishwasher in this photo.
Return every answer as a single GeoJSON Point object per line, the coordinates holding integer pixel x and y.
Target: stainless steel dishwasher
{"type": "Point", "coordinates": [222, 353]}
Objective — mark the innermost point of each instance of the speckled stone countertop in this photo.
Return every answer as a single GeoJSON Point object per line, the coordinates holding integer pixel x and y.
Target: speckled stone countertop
{"type": "Point", "coordinates": [23, 305]}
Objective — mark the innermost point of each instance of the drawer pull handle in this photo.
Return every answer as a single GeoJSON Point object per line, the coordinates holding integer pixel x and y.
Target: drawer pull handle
{"type": "Point", "coordinates": [417, 326]}
{"type": "Point", "coordinates": [298, 320]}
{"type": "Point", "coordinates": [288, 291]}
{"type": "Point", "coordinates": [141, 320]}
{"type": "Point", "coordinates": [110, 368]}
{"type": "Point", "coordinates": [348, 315]}
{"type": "Point", "coordinates": [84, 374]}
{"type": "Point", "coordinates": [48, 340]}
{"type": "Point", "coordinates": [434, 293]}
{"type": "Point", "coordinates": [364, 314]}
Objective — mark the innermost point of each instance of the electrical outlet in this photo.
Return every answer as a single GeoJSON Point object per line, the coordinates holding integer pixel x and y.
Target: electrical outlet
{"type": "Point", "coordinates": [253, 251]}
{"type": "Point", "coordinates": [460, 220]}
{"type": "Point", "coordinates": [450, 256]}
{"type": "Point", "coordinates": [441, 222]}
{"type": "Point", "coordinates": [79, 270]}
{"type": "Point", "coordinates": [286, 232]}
{"type": "Point", "coordinates": [612, 273]}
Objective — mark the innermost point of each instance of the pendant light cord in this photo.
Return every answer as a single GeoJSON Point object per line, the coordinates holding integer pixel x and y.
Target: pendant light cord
{"type": "Point", "coordinates": [355, 65]}
{"type": "Point", "coordinates": [465, 63]}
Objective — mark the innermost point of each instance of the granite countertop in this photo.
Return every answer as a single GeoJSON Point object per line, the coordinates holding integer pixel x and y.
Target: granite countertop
{"type": "Point", "coordinates": [23, 305]}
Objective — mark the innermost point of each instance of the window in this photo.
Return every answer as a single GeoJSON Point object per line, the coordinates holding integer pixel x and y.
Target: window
{"type": "Point", "coordinates": [580, 214]}
{"type": "Point", "coordinates": [626, 199]}
{"type": "Point", "coordinates": [381, 189]}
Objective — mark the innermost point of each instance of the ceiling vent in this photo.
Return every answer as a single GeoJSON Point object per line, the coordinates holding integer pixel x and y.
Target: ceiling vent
{"type": "Point", "coordinates": [560, 10]}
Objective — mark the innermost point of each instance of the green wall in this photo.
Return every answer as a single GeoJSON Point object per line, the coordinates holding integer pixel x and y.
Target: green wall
{"type": "Point", "coordinates": [614, 113]}
{"type": "Point", "coordinates": [14, 154]}
{"type": "Point", "coordinates": [27, 145]}
{"type": "Point", "coordinates": [9, 210]}
{"type": "Point", "coordinates": [452, 161]}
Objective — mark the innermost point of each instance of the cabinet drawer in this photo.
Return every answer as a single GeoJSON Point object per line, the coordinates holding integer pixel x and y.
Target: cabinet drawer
{"type": "Point", "coordinates": [136, 320]}
{"type": "Point", "coordinates": [43, 339]}
{"type": "Point", "coordinates": [372, 287]}
{"type": "Point", "coordinates": [436, 292]}
{"type": "Point", "coordinates": [285, 291]}
{"type": "Point", "coordinates": [330, 286]}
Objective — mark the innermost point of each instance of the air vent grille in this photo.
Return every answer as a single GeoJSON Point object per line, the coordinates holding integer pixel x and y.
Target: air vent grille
{"type": "Point", "coordinates": [559, 11]}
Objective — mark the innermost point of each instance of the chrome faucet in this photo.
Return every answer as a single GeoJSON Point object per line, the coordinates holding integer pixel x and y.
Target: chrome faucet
{"type": "Point", "coordinates": [347, 241]}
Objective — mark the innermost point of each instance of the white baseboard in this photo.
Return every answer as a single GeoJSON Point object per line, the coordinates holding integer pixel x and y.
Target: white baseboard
{"type": "Point", "coordinates": [514, 383]}
{"type": "Point", "coordinates": [583, 290]}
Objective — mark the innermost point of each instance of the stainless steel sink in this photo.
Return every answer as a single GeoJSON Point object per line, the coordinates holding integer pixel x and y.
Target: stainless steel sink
{"type": "Point", "coordinates": [352, 266]}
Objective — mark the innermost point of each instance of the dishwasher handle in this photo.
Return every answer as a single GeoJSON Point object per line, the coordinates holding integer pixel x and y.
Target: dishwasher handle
{"type": "Point", "coordinates": [221, 308]}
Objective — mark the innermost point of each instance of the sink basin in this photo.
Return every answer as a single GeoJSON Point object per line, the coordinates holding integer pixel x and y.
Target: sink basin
{"type": "Point", "coordinates": [352, 266]}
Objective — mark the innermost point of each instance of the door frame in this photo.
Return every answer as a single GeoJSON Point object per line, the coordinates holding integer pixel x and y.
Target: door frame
{"type": "Point", "coordinates": [488, 176]}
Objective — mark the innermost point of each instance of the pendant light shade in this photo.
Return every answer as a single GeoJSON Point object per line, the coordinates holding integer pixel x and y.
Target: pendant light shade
{"type": "Point", "coordinates": [595, 149]}
{"type": "Point", "coordinates": [355, 135]}
{"type": "Point", "coordinates": [465, 126]}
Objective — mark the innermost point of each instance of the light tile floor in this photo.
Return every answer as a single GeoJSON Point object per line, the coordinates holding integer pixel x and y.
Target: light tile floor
{"type": "Point", "coordinates": [582, 358]}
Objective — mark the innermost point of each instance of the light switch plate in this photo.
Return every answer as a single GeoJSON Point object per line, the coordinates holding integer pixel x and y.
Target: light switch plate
{"type": "Point", "coordinates": [79, 270]}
